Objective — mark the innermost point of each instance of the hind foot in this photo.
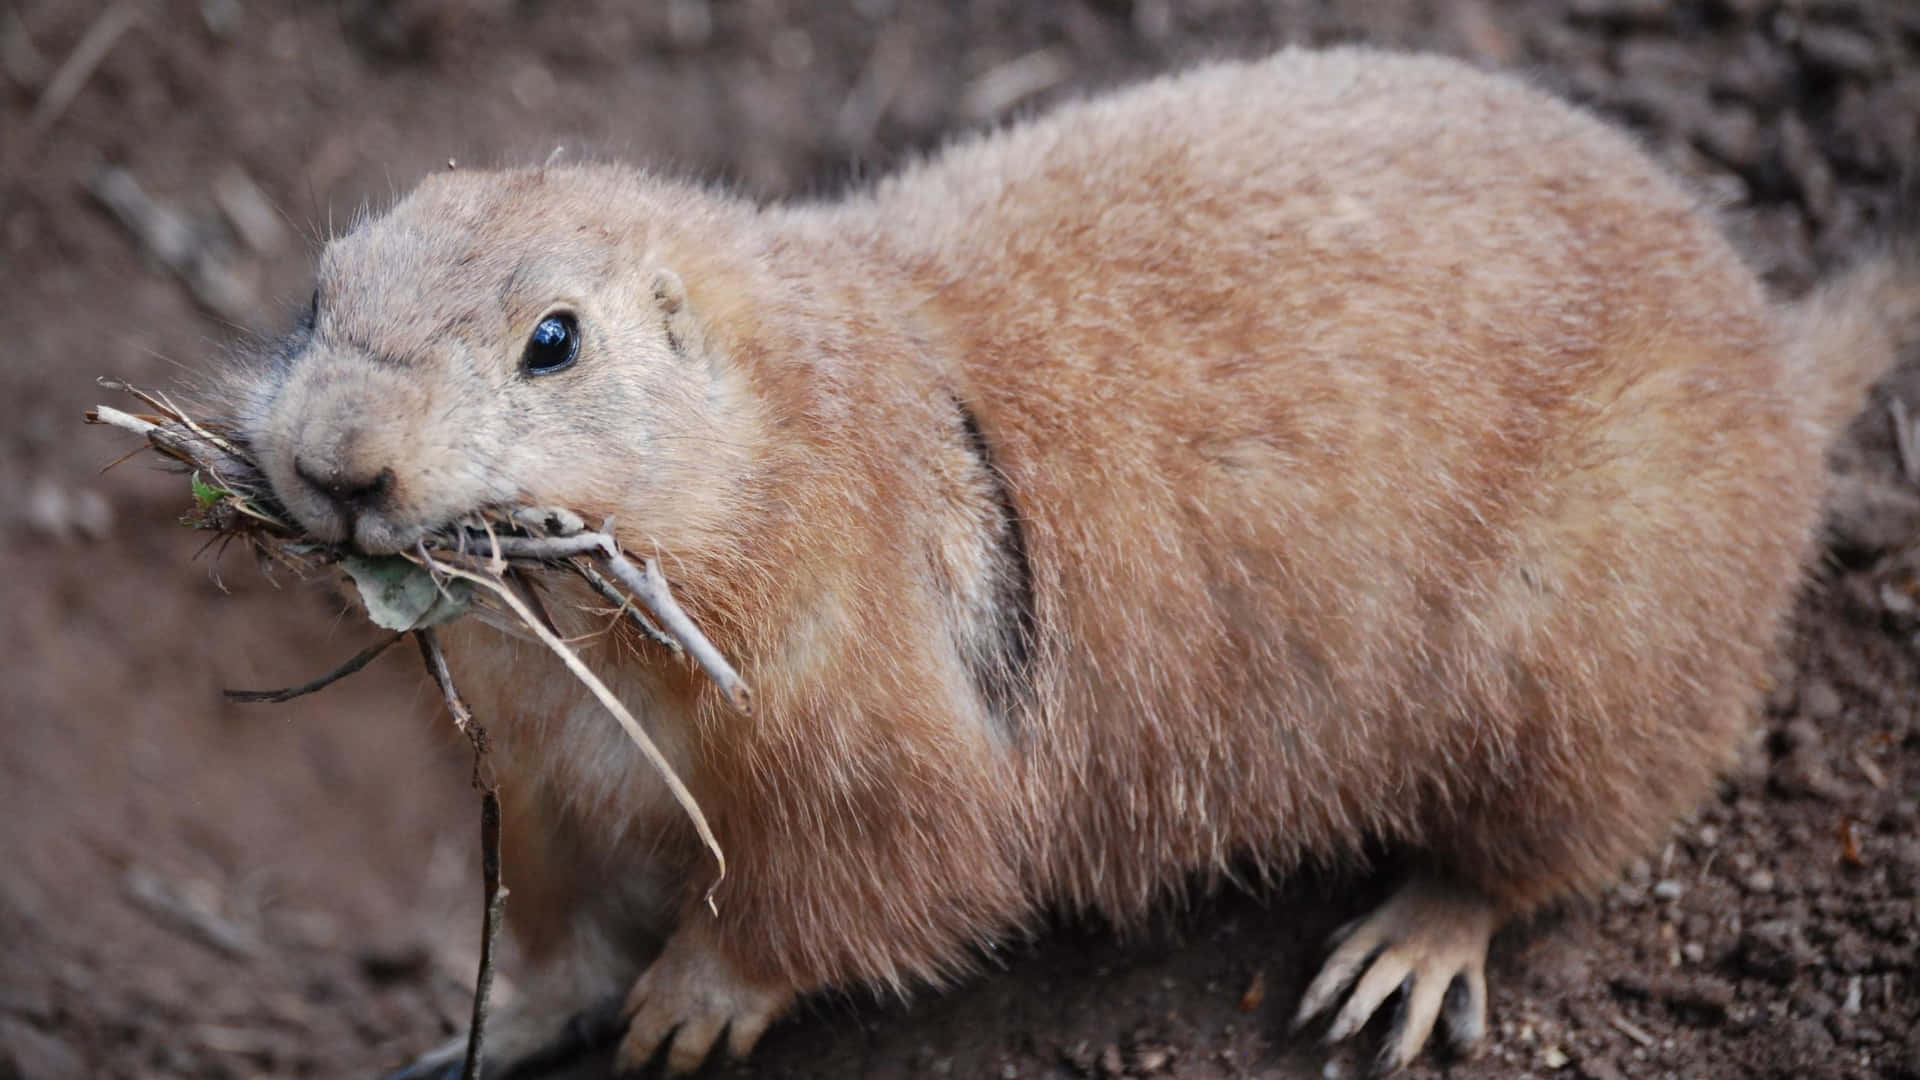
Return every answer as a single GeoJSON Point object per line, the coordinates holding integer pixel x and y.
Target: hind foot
{"type": "Point", "coordinates": [1429, 942]}
{"type": "Point", "coordinates": [689, 998]}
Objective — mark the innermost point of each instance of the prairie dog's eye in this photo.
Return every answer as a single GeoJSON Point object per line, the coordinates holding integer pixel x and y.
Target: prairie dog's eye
{"type": "Point", "coordinates": [552, 346]}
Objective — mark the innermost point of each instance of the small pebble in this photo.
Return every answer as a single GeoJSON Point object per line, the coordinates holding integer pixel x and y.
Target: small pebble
{"type": "Point", "coordinates": [1149, 1060]}
{"type": "Point", "coordinates": [1819, 701]}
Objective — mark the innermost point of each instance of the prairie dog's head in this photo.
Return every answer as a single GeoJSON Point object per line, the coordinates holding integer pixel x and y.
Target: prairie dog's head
{"type": "Point", "coordinates": [496, 339]}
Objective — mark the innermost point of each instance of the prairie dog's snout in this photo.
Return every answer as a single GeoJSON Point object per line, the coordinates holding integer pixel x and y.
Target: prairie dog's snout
{"type": "Point", "coordinates": [343, 459]}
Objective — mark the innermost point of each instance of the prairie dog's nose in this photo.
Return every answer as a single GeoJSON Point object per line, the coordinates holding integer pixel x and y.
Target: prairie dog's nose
{"type": "Point", "coordinates": [351, 490]}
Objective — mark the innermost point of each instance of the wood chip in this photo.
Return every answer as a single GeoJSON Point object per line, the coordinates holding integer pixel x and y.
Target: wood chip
{"type": "Point", "coordinates": [1632, 1031]}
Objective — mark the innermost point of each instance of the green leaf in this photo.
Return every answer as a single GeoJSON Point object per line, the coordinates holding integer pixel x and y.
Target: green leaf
{"type": "Point", "coordinates": [205, 495]}
{"type": "Point", "coordinates": [402, 596]}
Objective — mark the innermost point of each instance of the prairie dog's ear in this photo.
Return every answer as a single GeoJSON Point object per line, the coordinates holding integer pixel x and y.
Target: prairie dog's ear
{"type": "Point", "coordinates": [670, 296]}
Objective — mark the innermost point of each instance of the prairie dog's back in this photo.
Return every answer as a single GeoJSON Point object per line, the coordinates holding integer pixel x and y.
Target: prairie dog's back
{"type": "Point", "coordinates": [1464, 478]}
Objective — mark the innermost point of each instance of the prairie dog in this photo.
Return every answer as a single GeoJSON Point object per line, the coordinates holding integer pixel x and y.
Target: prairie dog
{"type": "Point", "coordinates": [1274, 461]}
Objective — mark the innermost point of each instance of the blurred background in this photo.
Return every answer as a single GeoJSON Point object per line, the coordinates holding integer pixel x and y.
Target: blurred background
{"type": "Point", "coordinates": [193, 888]}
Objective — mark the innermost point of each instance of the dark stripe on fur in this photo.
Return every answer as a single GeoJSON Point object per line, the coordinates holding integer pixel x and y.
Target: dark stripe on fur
{"type": "Point", "coordinates": [1003, 679]}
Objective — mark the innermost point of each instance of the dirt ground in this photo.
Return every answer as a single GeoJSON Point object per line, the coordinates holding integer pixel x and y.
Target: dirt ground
{"type": "Point", "coordinates": [193, 888]}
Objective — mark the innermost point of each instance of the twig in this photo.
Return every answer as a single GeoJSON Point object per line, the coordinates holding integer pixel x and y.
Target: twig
{"type": "Point", "coordinates": [107, 414]}
{"type": "Point", "coordinates": [436, 661]}
{"type": "Point", "coordinates": [496, 895]}
{"type": "Point", "coordinates": [1632, 1030]}
{"type": "Point", "coordinates": [552, 548]}
{"type": "Point", "coordinates": [650, 588]}
{"type": "Point", "coordinates": [161, 401]}
{"type": "Point", "coordinates": [606, 697]}
{"type": "Point", "coordinates": [639, 618]}
{"type": "Point", "coordinates": [182, 441]}
{"type": "Point", "coordinates": [1906, 439]}
{"type": "Point", "coordinates": [162, 898]}
{"type": "Point", "coordinates": [273, 697]}
{"type": "Point", "coordinates": [647, 586]}
{"type": "Point", "coordinates": [174, 241]}
{"type": "Point", "coordinates": [80, 64]}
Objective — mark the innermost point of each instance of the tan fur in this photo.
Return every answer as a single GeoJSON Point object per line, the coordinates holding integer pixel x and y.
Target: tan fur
{"type": "Point", "coordinates": [1400, 459]}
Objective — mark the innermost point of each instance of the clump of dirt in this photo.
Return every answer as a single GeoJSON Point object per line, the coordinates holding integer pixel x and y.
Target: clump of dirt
{"type": "Point", "coordinates": [196, 888]}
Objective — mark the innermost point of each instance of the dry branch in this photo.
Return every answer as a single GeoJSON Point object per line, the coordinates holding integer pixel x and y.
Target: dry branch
{"type": "Point", "coordinates": [81, 63]}
{"type": "Point", "coordinates": [625, 603]}
{"type": "Point", "coordinates": [612, 704]}
{"type": "Point", "coordinates": [645, 585]}
{"type": "Point", "coordinates": [496, 894]}
{"type": "Point", "coordinates": [274, 697]}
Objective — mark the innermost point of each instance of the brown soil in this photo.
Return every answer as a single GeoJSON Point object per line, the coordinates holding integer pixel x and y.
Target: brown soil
{"type": "Point", "coordinates": [200, 889]}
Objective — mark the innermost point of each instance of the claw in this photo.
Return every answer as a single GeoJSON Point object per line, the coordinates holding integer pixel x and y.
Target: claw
{"type": "Point", "coordinates": [1428, 944]}
{"type": "Point", "coordinates": [688, 1001]}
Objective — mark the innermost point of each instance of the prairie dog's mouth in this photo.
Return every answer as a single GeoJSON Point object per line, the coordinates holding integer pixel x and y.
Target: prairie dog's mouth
{"type": "Point", "coordinates": [373, 536]}
{"type": "Point", "coordinates": [482, 531]}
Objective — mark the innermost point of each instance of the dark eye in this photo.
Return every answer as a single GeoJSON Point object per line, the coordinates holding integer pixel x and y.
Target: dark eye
{"type": "Point", "coordinates": [554, 344]}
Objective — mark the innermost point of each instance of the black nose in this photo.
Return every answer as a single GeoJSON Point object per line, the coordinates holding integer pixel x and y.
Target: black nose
{"type": "Point", "coordinates": [350, 491]}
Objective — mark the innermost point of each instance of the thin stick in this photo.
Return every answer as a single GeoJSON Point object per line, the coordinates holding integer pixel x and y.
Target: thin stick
{"type": "Point", "coordinates": [107, 414]}
{"type": "Point", "coordinates": [161, 401]}
{"type": "Point", "coordinates": [81, 64]}
{"type": "Point", "coordinates": [190, 444]}
{"type": "Point", "coordinates": [606, 697]}
{"type": "Point", "coordinates": [489, 928]}
{"type": "Point", "coordinates": [496, 895]}
{"type": "Point", "coordinates": [1906, 439]}
{"type": "Point", "coordinates": [552, 548]}
{"type": "Point", "coordinates": [650, 588]}
{"type": "Point", "coordinates": [647, 586]}
{"type": "Point", "coordinates": [273, 697]}
{"type": "Point", "coordinates": [1631, 1030]}
{"type": "Point", "coordinates": [634, 615]}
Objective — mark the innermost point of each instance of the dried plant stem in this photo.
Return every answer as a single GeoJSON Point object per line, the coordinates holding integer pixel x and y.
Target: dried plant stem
{"type": "Point", "coordinates": [496, 895]}
{"type": "Point", "coordinates": [165, 436]}
{"type": "Point", "coordinates": [489, 929]}
{"type": "Point", "coordinates": [606, 698]}
{"type": "Point", "coordinates": [625, 603]}
{"type": "Point", "coordinates": [80, 65]}
{"type": "Point", "coordinates": [647, 586]}
{"type": "Point", "coordinates": [273, 697]}
{"type": "Point", "coordinates": [552, 548]}
{"type": "Point", "coordinates": [107, 414]}
{"type": "Point", "coordinates": [1906, 439]}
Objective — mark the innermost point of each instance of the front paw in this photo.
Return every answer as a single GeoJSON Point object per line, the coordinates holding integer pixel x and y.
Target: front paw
{"type": "Point", "coordinates": [688, 999]}
{"type": "Point", "coordinates": [1428, 944]}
